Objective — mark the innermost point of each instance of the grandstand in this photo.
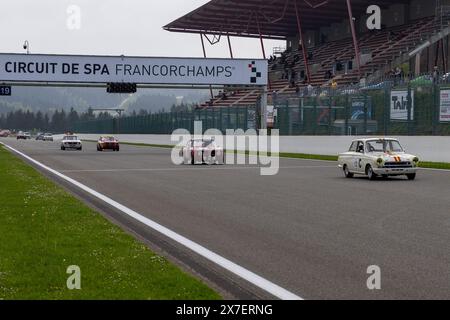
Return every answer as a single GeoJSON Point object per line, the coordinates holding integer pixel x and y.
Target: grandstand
{"type": "Point", "coordinates": [324, 48]}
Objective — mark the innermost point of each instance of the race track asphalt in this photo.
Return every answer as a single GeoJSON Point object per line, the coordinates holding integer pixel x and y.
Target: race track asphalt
{"type": "Point", "coordinates": [307, 229]}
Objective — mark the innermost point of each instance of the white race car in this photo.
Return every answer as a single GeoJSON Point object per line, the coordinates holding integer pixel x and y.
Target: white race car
{"type": "Point", "coordinates": [47, 137]}
{"type": "Point", "coordinates": [71, 142]}
{"type": "Point", "coordinates": [378, 157]}
{"type": "Point", "coordinates": [203, 151]}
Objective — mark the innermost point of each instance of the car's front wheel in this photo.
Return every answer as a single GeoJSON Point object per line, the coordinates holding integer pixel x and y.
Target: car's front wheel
{"type": "Point", "coordinates": [411, 176]}
{"type": "Point", "coordinates": [347, 173]}
{"type": "Point", "coordinates": [370, 173]}
{"type": "Point", "coordinates": [62, 148]}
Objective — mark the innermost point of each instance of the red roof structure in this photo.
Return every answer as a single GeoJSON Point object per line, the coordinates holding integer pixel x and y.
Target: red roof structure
{"type": "Point", "coordinates": [276, 18]}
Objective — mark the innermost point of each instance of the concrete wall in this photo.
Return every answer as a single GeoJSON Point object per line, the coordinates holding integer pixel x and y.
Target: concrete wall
{"type": "Point", "coordinates": [427, 148]}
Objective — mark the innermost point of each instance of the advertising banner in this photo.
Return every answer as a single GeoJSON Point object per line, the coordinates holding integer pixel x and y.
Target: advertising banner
{"type": "Point", "coordinates": [139, 70]}
{"type": "Point", "coordinates": [399, 105]}
{"type": "Point", "coordinates": [444, 115]}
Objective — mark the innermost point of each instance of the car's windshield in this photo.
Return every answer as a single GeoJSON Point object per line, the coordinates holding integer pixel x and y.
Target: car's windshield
{"type": "Point", "coordinates": [108, 139]}
{"type": "Point", "coordinates": [384, 146]}
{"type": "Point", "coordinates": [71, 138]}
{"type": "Point", "coordinates": [201, 143]}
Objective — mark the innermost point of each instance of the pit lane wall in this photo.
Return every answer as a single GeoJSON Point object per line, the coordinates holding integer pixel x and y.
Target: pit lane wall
{"type": "Point", "coordinates": [436, 149]}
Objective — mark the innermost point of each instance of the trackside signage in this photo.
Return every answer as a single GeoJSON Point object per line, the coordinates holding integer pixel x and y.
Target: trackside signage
{"type": "Point", "coordinates": [444, 115]}
{"type": "Point", "coordinates": [399, 105]}
{"type": "Point", "coordinates": [140, 70]}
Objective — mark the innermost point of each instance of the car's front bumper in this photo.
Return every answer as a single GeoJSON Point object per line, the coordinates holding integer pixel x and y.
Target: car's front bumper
{"type": "Point", "coordinates": [395, 171]}
{"type": "Point", "coordinates": [71, 145]}
{"type": "Point", "coordinates": [109, 145]}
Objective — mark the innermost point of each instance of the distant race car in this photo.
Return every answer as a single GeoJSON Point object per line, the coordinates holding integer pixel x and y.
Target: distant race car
{"type": "Point", "coordinates": [71, 142]}
{"type": "Point", "coordinates": [108, 143]}
{"type": "Point", "coordinates": [5, 133]}
{"type": "Point", "coordinates": [47, 137]}
{"type": "Point", "coordinates": [40, 137]}
{"type": "Point", "coordinates": [378, 158]}
{"type": "Point", "coordinates": [23, 136]}
{"type": "Point", "coordinates": [203, 151]}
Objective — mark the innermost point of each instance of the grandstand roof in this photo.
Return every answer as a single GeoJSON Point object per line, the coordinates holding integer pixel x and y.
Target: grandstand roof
{"type": "Point", "coordinates": [277, 18]}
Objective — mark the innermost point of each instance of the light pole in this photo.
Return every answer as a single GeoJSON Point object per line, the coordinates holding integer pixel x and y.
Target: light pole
{"type": "Point", "coordinates": [26, 46]}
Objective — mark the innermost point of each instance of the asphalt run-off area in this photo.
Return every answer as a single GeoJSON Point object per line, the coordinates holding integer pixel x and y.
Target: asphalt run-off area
{"type": "Point", "coordinates": [308, 229]}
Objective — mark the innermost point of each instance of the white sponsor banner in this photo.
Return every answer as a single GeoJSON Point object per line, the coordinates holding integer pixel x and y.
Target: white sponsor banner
{"type": "Point", "coordinates": [140, 70]}
{"type": "Point", "coordinates": [444, 115]}
{"type": "Point", "coordinates": [399, 105]}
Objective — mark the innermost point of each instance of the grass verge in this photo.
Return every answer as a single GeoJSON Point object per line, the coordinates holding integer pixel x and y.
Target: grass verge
{"type": "Point", "coordinates": [44, 230]}
{"type": "Point", "coordinates": [425, 164]}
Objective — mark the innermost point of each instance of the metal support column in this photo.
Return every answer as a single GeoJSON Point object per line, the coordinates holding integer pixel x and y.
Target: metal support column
{"type": "Point", "coordinates": [305, 56]}
{"type": "Point", "coordinates": [261, 38]}
{"type": "Point", "coordinates": [263, 108]}
{"type": "Point", "coordinates": [355, 40]}
{"type": "Point", "coordinates": [229, 46]}
{"type": "Point", "coordinates": [204, 55]}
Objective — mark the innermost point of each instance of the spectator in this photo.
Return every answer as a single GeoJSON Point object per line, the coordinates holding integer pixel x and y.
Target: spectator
{"type": "Point", "coordinates": [398, 74]}
{"type": "Point", "coordinates": [328, 75]}
{"type": "Point", "coordinates": [436, 75]}
{"type": "Point", "coordinates": [292, 83]}
{"type": "Point", "coordinates": [224, 96]}
{"type": "Point", "coordinates": [305, 91]}
{"type": "Point", "coordinates": [305, 80]}
{"type": "Point", "coordinates": [334, 85]}
{"type": "Point", "coordinates": [339, 66]}
{"type": "Point", "coordinates": [350, 64]}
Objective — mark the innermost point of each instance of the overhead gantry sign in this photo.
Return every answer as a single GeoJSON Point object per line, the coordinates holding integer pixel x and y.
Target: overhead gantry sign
{"type": "Point", "coordinates": [25, 68]}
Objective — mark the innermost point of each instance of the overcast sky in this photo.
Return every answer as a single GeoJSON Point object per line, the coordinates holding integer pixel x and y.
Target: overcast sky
{"type": "Point", "coordinates": [110, 27]}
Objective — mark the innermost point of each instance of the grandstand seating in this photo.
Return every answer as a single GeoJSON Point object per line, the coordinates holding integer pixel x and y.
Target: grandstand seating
{"type": "Point", "coordinates": [383, 46]}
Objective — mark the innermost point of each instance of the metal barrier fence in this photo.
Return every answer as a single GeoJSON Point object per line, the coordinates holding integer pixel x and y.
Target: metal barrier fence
{"type": "Point", "coordinates": [404, 110]}
{"type": "Point", "coordinates": [166, 123]}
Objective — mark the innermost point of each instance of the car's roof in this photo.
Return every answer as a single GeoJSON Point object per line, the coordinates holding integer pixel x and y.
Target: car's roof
{"type": "Point", "coordinates": [375, 139]}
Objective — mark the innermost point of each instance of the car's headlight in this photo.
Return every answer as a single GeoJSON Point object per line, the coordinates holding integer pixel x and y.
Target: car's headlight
{"type": "Point", "coordinates": [380, 162]}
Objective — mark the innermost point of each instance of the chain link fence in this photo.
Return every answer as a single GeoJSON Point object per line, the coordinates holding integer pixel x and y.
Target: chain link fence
{"type": "Point", "coordinates": [165, 123]}
{"type": "Point", "coordinates": [409, 109]}
{"type": "Point", "coordinates": [383, 110]}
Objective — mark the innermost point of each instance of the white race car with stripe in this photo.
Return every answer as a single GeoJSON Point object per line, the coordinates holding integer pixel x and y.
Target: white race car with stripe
{"type": "Point", "coordinates": [378, 157]}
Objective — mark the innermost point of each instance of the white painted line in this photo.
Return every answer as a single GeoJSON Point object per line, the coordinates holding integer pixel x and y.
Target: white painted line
{"type": "Point", "coordinates": [232, 267]}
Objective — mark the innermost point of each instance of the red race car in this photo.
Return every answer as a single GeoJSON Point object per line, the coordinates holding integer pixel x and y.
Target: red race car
{"type": "Point", "coordinates": [108, 143]}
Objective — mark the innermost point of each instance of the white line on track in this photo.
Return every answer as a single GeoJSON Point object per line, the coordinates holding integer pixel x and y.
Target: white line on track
{"type": "Point", "coordinates": [232, 267]}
